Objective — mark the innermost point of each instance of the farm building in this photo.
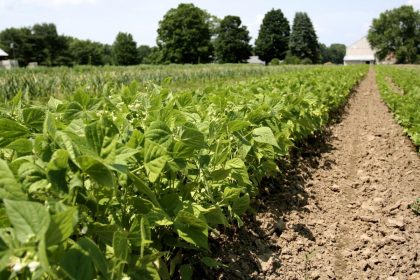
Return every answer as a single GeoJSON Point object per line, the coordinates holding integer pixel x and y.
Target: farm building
{"type": "Point", "coordinates": [255, 60]}
{"type": "Point", "coordinates": [3, 54]}
{"type": "Point", "coordinates": [360, 53]}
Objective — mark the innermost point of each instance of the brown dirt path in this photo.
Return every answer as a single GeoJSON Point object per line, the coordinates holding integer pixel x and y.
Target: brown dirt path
{"type": "Point", "coordinates": [342, 211]}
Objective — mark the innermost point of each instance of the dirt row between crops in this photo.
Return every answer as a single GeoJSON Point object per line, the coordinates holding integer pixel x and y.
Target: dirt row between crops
{"type": "Point", "coordinates": [342, 209]}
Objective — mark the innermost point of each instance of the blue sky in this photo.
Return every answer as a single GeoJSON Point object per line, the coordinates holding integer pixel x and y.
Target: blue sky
{"type": "Point", "coordinates": [335, 21]}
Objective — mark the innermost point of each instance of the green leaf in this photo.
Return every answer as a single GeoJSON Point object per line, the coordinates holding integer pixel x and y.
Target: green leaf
{"type": "Point", "coordinates": [191, 229]}
{"type": "Point", "coordinates": [9, 187]}
{"type": "Point", "coordinates": [159, 133]}
{"type": "Point", "coordinates": [210, 262]}
{"type": "Point", "coordinates": [33, 117]}
{"type": "Point", "coordinates": [237, 125]}
{"type": "Point", "coordinates": [121, 246]}
{"type": "Point", "coordinates": [241, 204]}
{"type": "Point", "coordinates": [22, 146]}
{"type": "Point", "coordinates": [95, 255]}
{"type": "Point", "coordinates": [77, 265]}
{"type": "Point", "coordinates": [186, 272]}
{"type": "Point", "coordinates": [10, 130]}
{"type": "Point", "coordinates": [193, 138]}
{"type": "Point", "coordinates": [97, 170]}
{"type": "Point", "coordinates": [143, 188]}
{"type": "Point", "coordinates": [49, 127]}
{"type": "Point", "coordinates": [61, 226]}
{"type": "Point", "coordinates": [59, 160]}
{"type": "Point", "coordinates": [264, 135]}
{"type": "Point", "coordinates": [29, 219]}
{"type": "Point", "coordinates": [155, 159]}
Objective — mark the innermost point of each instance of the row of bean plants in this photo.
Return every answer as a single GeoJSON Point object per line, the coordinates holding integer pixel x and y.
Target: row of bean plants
{"type": "Point", "coordinates": [127, 182]}
{"type": "Point", "coordinates": [400, 89]}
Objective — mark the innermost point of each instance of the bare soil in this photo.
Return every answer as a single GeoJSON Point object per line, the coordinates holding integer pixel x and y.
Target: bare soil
{"type": "Point", "coordinates": [342, 209]}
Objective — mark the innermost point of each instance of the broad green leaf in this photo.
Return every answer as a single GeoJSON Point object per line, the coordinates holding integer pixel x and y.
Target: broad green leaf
{"type": "Point", "coordinates": [10, 130]}
{"type": "Point", "coordinates": [191, 229]}
{"type": "Point", "coordinates": [155, 159]}
{"type": "Point", "coordinates": [33, 117]}
{"type": "Point", "coordinates": [232, 193]}
{"type": "Point", "coordinates": [9, 187]}
{"type": "Point", "coordinates": [59, 160]}
{"type": "Point", "coordinates": [210, 262]}
{"type": "Point", "coordinates": [49, 126]}
{"type": "Point", "coordinates": [241, 204]}
{"type": "Point", "coordinates": [29, 219]}
{"type": "Point", "coordinates": [97, 170]}
{"type": "Point", "coordinates": [237, 125]}
{"type": "Point", "coordinates": [95, 254]}
{"type": "Point", "coordinates": [61, 226]}
{"type": "Point", "coordinates": [22, 146]}
{"type": "Point", "coordinates": [159, 133]}
{"type": "Point", "coordinates": [264, 135]}
{"type": "Point", "coordinates": [77, 265]}
{"type": "Point", "coordinates": [215, 216]}
{"type": "Point", "coordinates": [193, 138]}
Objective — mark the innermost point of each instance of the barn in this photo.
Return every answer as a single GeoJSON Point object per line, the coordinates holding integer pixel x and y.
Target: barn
{"type": "Point", "coordinates": [360, 53]}
{"type": "Point", "coordinates": [3, 54]}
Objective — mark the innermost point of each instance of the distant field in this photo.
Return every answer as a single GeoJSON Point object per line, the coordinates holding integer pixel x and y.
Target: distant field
{"type": "Point", "coordinates": [45, 82]}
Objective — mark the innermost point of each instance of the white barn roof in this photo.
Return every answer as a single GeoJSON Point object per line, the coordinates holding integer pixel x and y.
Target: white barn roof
{"type": "Point", "coordinates": [3, 53]}
{"type": "Point", "coordinates": [255, 60]}
{"type": "Point", "coordinates": [360, 50]}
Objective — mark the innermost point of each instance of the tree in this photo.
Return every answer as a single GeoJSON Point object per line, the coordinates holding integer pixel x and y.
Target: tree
{"type": "Point", "coordinates": [397, 32]}
{"type": "Point", "coordinates": [232, 42]}
{"type": "Point", "coordinates": [49, 48]}
{"type": "Point", "coordinates": [143, 53]}
{"type": "Point", "coordinates": [273, 37]}
{"type": "Point", "coordinates": [17, 43]}
{"type": "Point", "coordinates": [303, 39]}
{"type": "Point", "coordinates": [86, 52]}
{"type": "Point", "coordinates": [124, 49]}
{"type": "Point", "coordinates": [184, 35]}
{"type": "Point", "coordinates": [334, 53]}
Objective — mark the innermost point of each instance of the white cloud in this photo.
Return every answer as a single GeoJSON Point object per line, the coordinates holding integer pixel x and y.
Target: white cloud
{"type": "Point", "coordinates": [57, 3]}
{"type": "Point", "coordinates": [414, 3]}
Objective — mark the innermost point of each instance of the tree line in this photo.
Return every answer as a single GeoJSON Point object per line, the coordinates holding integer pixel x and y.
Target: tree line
{"type": "Point", "coordinates": [188, 34]}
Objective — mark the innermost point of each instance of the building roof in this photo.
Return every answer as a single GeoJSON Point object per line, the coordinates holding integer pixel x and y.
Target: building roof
{"type": "Point", "coordinates": [3, 53]}
{"type": "Point", "coordinates": [360, 50]}
{"type": "Point", "coordinates": [255, 60]}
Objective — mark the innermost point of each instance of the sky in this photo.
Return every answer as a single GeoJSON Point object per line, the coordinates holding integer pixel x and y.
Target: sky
{"type": "Point", "coordinates": [335, 21]}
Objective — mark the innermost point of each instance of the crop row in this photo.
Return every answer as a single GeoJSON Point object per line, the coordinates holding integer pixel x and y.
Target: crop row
{"type": "Point", "coordinates": [45, 82]}
{"type": "Point", "coordinates": [126, 183]}
{"type": "Point", "coordinates": [400, 89]}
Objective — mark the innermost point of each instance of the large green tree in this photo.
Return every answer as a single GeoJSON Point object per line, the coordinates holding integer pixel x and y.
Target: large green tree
{"type": "Point", "coordinates": [397, 32]}
{"type": "Point", "coordinates": [18, 44]}
{"type": "Point", "coordinates": [232, 42]}
{"type": "Point", "coordinates": [273, 37]}
{"type": "Point", "coordinates": [334, 53]}
{"type": "Point", "coordinates": [124, 49]}
{"type": "Point", "coordinates": [184, 35]}
{"type": "Point", "coordinates": [86, 52]}
{"type": "Point", "coordinates": [303, 39]}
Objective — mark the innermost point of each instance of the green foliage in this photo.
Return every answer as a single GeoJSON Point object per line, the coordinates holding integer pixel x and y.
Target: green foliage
{"type": "Point", "coordinates": [86, 52]}
{"type": "Point", "coordinates": [39, 43]}
{"type": "Point", "coordinates": [291, 59]}
{"type": "Point", "coordinates": [397, 32]}
{"type": "Point", "coordinates": [144, 53]}
{"type": "Point", "coordinates": [273, 37]}
{"type": "Point", "coordinates": [184, 35]}
{"type": "Point", "coordinates": [128, 181]}
{"type": "Point", "coordinates": [124, 50]}
{"type": "Point", "coordinates": [232, 42]}
{"type": "Point", "coordinates": [334, 53]}
{"type": "Point", "coordinates": [303, 39]}
{"type": "Point", "coordinates": [275, 61]}
{"type": "Point", "coordinates": [415, 206]}
{"type": "Point", "coordinates": [404, 104]}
